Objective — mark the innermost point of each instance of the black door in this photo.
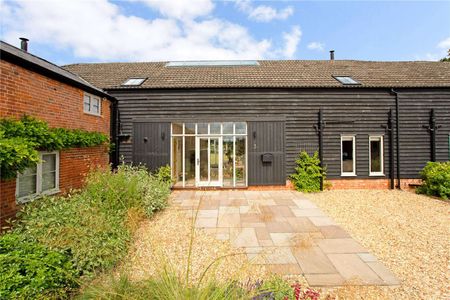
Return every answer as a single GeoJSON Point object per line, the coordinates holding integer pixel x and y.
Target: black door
{"type": "Point", "coordinates": [266, 153]}
{"type": "Point", "coordinates": [151, 144]}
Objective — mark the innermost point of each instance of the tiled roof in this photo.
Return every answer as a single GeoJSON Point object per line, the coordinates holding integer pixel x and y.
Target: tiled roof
{"type": "Point", "coordinates": [8, 51]}
{"type": "Point", "coordinates": [269, 73]}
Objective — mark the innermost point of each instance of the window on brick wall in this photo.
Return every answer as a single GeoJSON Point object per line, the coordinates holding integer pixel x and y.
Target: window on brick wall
{"type": "Point", "coordinates": [42, 179]}
{"type": "Point", "coordinates": [92, 104]}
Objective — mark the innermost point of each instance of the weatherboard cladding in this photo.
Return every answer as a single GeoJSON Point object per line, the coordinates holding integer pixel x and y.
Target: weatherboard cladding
{"type": "Point", "coordinates": [357, 111]}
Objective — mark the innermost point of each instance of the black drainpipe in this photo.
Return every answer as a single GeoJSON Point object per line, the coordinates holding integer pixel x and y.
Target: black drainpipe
{"type": "Point", "coordinates": [114, 156]}
{"type": "Point", "coordinates": [397, 127]}
{"type": "Point", "coordinates": [390, 130]}
{"type": "Point", "coordinates": [320, 127]}
{"type": "Point", "coordinates": [432, 128]}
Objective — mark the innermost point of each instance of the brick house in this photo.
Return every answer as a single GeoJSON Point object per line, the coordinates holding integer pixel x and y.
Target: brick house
{"type": "Point", "coordinates": [33, 86]}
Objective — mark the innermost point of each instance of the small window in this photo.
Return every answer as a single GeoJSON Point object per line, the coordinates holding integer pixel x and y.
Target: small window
{"type": "Point", "coordinates": [134, 81]}
{"type": "Point", "coordinates": [42, 179]}
{"type": "Point", "coordinates": [348, 159]}
{"type": "Point", "coordinates": [346, 80]}
{"type": "Point", "coordinates": [376, 155]}
{"type": "Point", "coordinates": [92, 104]}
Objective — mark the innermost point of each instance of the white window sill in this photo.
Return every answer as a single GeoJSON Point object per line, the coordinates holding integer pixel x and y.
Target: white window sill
{"type": "Point", "coordinates": [348, 175]}
{"type": "Point", "coordinates": [92, 114]}
{"type": "Point", "coordinates": [377, 174]}
{"type": "Point", "coordinates": [26, 199]}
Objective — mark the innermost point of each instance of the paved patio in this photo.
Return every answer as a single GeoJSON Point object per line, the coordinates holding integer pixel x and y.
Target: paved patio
{"type": "Point", "coordinates": [286, 232]}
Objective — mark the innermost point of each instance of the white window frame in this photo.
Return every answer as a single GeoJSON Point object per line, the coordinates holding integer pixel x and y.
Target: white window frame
{"type": "Point", "coordinates": [39, 191]}
{"type": "Point", "coordinates": [90, 111]}
{"type": "Point", "coordinates": [353, 139]}
{"type": "Point", "coordinates": [220, 135]}
{"type": "Point", "coordinates": [380, 139]}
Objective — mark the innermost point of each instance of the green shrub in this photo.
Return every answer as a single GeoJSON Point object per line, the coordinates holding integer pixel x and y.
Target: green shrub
{"type": "Point", "coordinates": [164, 174]}
{"type": "Point", "coordinates": [92, 225]}
{"type": "Point", "coordinates": [31, 271]}
{"type": "Point", "coordinates": [94, 237]}
{"type": "Point", "coordinates": [436, 179]}
{"type": "Point", "coordinates": [308, 173]}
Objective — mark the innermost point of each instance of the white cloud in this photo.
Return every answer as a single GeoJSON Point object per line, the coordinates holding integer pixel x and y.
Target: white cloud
{"type": "Point", "coordinates": [444, 44]}
{"type": "Point", "coordinates": [316, 46]}
{"type": "Point", "coordinates": [264, 13]}
{"type": "Point", "coordinates": [100, 30]}
{"type": "Point", "coordinates": [291, 40]}
{"type": "Point", "coordinates": [181, 9]}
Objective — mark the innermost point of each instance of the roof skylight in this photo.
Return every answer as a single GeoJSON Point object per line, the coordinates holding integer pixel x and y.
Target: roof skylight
{"type": "Point", "coordinates": [346, 80]}
{"type": "Point", "coordinates": [134, 81]}
{"type": "Point", "coordinates": [212, 63]}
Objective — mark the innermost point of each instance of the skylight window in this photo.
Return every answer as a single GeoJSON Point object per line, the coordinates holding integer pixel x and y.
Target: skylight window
{"type": "Point", "coordinates": [346, 80]}
{"type": "Point", "coordinates": [134, 81]}
{"type": "Point", "coordinates": [212, 63]}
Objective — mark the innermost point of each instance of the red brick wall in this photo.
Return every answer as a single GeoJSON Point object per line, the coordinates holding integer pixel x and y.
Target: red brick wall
{"type": "Point", "coordinates": [369, 183]}
{"type": "Point", "coordinates": [25, 92]}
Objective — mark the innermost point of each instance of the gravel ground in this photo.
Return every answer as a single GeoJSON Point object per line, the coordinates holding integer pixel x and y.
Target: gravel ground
{"type": "Point", "coordinates": [409, 233]}
{"type": "Point", "coordinates": [164, 241]}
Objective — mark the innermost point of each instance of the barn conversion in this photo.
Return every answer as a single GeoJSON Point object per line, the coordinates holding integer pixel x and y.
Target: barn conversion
{"type": "Point", "coordinates": [237, 124]}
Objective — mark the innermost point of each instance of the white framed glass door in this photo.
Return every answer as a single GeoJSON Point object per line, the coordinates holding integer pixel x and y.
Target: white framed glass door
{"type": "Point", "coordinates": [209, 154]}
{"type": "Point", "coordinates": [209, 161]}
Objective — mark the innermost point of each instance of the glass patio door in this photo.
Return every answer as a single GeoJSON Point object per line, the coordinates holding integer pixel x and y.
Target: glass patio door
{"type": "Point", "coordinates": [209, 161]}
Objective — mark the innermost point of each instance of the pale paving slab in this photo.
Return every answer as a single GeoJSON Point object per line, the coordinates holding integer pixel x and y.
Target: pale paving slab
{"type": "Point", "coordinates": [313, 261]}
{"type": "Point", "coordinates": [354, 270]}
{"type": "Point", "coordinates": [286, 232]}
{"type": "Point", "coordinates": [347, 245]}
{"type": "Point", "coordinates": [246, 237]}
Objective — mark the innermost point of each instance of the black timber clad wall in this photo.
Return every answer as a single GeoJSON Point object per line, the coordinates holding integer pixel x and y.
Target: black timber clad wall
{"type": "Point", "coordinates": [266, 138]}
{"type": "Point", "coordinates": [346, 111]}
{"type": "Point", "coordinates": [151, 144]}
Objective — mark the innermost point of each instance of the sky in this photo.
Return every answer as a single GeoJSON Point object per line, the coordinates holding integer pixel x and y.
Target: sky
{"type": "Point", "coordinates": [75, 31]}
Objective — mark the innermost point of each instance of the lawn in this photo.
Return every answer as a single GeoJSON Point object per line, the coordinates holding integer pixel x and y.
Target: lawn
{"type": "Point", "coordinates": [409, 233]}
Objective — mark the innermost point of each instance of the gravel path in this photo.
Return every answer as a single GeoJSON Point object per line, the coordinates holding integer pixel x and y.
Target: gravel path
{"type": "Point", "coordinates": [409, 233]}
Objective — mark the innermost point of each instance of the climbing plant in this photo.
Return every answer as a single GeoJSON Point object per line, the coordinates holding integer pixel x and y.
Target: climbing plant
{"type": "Point", "coordinates": [20, 141]}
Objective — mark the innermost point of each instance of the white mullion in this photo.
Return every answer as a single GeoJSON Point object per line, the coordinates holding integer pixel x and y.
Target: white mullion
{"type": "Point", "coordinates": [209, 160]}
{"type": "Point", "coordinates": [234, 161]}
{"type": "Point", "coordinates": [183, 158]}
{"type": "Point", "coordinates": [39, 175]}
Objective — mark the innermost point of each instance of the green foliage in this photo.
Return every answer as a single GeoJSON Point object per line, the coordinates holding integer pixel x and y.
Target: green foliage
{"type": "Point", "coordinates": [446, 59]}
{"type": "Point", "coordinates": [30, 270]}
{"type": "Point", "coordinates": [308, 173]}
{"type": "Point", "coordinates": [278, 288]}
{"type": "Point", "coordinates": [20, 140]}
{"type": "Point", "coordinates": [164, 174]}
{"type": "Point", "coordinates": [91, 225]}
{"type": "Point", "coordinates": [16, 154]}
{"type": "Point", "coordinates": [436, 179]}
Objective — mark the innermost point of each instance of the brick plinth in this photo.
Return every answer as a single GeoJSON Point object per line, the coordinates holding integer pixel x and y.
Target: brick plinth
{"type": "Point", "coordinates": [369, 183]}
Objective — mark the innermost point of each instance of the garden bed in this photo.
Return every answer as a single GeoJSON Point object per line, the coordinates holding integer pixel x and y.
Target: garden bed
{"type": "Point", "coordinates": [409, 233]}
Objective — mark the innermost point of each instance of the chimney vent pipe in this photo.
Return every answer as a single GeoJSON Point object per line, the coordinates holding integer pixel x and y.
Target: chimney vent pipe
{"type": "Point", "coordinates": [24, 44]}
{"type": "Point", "coordinates": [331, 54]}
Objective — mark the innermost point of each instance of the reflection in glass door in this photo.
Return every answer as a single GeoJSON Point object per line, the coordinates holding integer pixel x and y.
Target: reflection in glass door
{"type": "Point", "coordinates": [209, 161]}
{"type": "Point", "coordinates": [209, 154]}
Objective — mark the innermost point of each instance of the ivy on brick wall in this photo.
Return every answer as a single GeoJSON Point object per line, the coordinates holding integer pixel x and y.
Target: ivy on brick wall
{"type": "Point", "coordinates": [20, 141]}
